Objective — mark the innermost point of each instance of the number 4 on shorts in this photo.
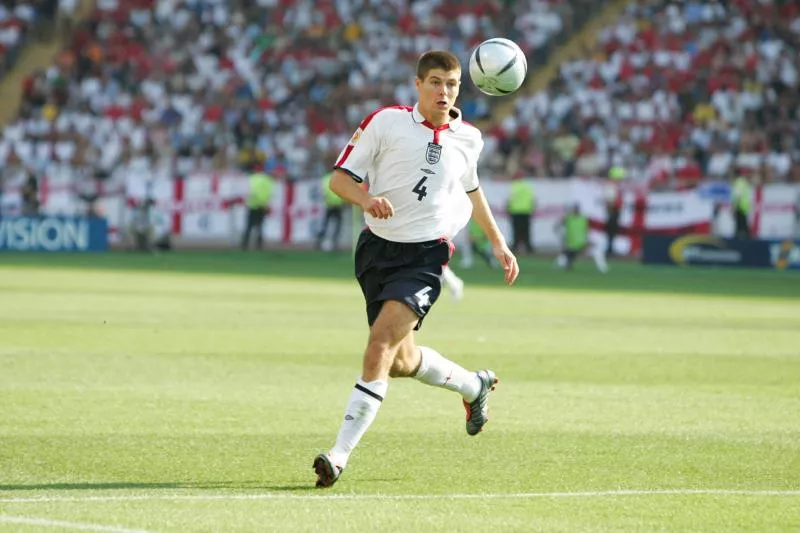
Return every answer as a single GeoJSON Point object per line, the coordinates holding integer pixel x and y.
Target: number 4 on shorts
{"type": "Point", "coordinates": [422, 297]}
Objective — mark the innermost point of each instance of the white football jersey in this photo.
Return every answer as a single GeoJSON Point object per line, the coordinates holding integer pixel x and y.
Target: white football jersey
{"type": "Point", "coordinates": [424, 171]}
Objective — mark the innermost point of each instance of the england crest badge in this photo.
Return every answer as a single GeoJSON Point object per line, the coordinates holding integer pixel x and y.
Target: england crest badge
{"type": "Point", "coordinates": [433, 153]}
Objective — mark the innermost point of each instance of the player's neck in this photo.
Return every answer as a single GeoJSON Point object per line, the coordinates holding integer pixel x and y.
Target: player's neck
{"type": "Point", "coordinates": [435, 117]}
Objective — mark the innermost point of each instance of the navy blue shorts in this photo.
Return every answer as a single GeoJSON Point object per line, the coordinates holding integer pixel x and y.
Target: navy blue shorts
{"type": "Point", "coordinates": [408, 272]}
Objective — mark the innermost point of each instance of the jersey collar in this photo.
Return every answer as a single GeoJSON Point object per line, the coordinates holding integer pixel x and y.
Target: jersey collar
{"type": "Point", "coordinates": [455, 117]}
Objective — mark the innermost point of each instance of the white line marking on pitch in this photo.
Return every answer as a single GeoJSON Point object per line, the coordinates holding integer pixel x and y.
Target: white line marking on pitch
{"type": "Point", "coordinates": [45, 522]}
{"type": "Point", "coordinates": [400, 497]}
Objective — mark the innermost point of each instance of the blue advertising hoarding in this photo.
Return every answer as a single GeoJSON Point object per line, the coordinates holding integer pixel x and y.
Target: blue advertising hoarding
{"type": "Point", "coordinates": [709, 250]}
{"type": "Point", "coordinates": [53, 234]}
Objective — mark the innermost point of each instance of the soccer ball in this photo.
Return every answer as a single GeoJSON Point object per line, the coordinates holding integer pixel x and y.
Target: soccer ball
{"type": "Point", "coordinates": [497, 67]}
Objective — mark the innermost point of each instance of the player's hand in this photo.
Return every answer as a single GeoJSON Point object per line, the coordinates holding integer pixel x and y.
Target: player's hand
{"type": "Point", "coordinates": [508, 261]}
{"type": "Point", "coordinates": [378, 207]}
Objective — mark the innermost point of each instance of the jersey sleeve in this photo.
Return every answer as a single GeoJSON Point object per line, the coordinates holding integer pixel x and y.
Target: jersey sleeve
{"type": "Point", "coordinates": [359, 155]}
{"type": "Point", "coordinates": [470, 178]}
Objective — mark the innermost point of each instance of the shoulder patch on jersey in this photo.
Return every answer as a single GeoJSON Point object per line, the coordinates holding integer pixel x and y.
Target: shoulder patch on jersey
{"type": "Point", "coordinates": [356, 136]}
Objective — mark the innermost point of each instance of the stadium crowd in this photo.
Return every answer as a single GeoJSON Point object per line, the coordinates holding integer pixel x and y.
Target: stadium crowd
{"type": "Point", "coordinates": [172, 86]}
{"type": "Point", "coordinates": [19, 20]}
{"type": "Point", "coordinates": [672, 92]}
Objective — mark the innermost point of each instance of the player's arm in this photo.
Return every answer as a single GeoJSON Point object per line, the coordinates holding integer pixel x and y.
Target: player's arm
{"type": "Point", "coordinates": [349, 190]}
{"type": "Point", "coordinates": [482, 215]}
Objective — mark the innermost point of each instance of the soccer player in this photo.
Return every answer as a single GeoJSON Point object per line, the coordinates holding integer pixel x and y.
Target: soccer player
{"type": "Point", "coordinates": [477, 243]}
{"type": "Point", "coordinates": [422, 166]}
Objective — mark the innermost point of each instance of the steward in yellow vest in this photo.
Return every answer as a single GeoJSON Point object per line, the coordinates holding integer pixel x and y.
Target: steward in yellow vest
{"type": "Point", "coordinates": [741, 204]}
{"type": "Point", "coordinates": [521, 205]}
{"type": "Point", "coordinates": [262, 187]}
{"type": "Point", "coordinates": [574, 229]}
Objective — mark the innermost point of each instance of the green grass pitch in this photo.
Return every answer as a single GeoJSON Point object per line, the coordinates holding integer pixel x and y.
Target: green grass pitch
{"type": "Point", "coordinates": [190, 392]}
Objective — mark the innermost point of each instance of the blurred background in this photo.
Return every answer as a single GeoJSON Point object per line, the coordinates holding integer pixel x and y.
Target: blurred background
{"type": "Point", "coordinates": [179, 123]}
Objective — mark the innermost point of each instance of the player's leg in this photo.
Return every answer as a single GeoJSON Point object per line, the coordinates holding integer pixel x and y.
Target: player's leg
{"type": "Point", "coordinates": [612, 226]}
{"type": "Point", "coordinates": [430, 367]}
{"type": "Point", "coordinates": [599, 258]}
{"type": "Point", "coordinates": [526, 231]}
{"type": "Point", "coordinates": [248, 227]}
{"type": "Point", "coordinates": [561, 260]}
{"type": "Point", "coordinates": [463, 244]}
{"type": "Point", "coordinates": [323, 229]}
{"type": "Point", "coordinates": [516, 233]}
{"type": "Point", "coordinates": [484, 249]}
{"type": "Point", "coordinates": [453, 282]}
{"type": "Point", "coordinates": [395, 322]}
{"type": "Point", "coordinates": [336, 215]}
{"type": "Point", "coordinates": [571, 256]}
{"type": "Point", "coordinates": [261, 214]}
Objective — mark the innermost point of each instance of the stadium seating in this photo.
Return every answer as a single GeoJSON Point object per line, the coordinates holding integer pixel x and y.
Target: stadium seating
{"type": "Point", "coordinates": [164, 86]}
{"type": "Point", "coordinates": [673, 92]}
{"type": "Point", "coordinates": [17, 20]}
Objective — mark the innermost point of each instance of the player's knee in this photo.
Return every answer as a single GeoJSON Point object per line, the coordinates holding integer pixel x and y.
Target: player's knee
{"type": "Point", "coordinates": [379, 348]}
{"type": "Point", "coordinates": [406, 360]}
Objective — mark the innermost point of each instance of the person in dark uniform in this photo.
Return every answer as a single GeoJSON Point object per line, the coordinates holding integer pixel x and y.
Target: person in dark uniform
{"type": "Point", "coordinates": [613, 195]}
{"type": "Point", "coordinates": [30, 196]}
{"type": "Point", "coordinates": [333, 215]}
{"type": "Point", "coordinates": [423, 185]}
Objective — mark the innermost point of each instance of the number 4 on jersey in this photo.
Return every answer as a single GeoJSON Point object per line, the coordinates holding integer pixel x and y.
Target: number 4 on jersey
{"type": "Point", "coordinates": [420, 189]}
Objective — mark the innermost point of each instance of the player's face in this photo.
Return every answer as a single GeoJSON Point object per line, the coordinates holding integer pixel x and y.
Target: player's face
{"type": "Point", "coordinates": [438, 93]}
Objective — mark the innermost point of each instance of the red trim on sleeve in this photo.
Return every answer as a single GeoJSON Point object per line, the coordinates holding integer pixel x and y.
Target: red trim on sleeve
{"type": "Point", "coordinates": [344, 155]}
{"type": "Point", "coordinates": [363, 126]}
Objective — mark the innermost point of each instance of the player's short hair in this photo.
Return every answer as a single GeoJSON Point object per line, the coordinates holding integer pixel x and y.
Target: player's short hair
{"type": "Point", "coordinates": [442, 59]}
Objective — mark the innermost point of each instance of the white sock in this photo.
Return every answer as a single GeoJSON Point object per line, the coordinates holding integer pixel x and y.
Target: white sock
{"type": "Point", "coordinates": [453, 282]}
{"type": "Point", "coordinates": [450, 278]}
{"type": "Point", "coordinates": [365, 400]}
{"type": "Point", "coordinates": [435, 370]}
